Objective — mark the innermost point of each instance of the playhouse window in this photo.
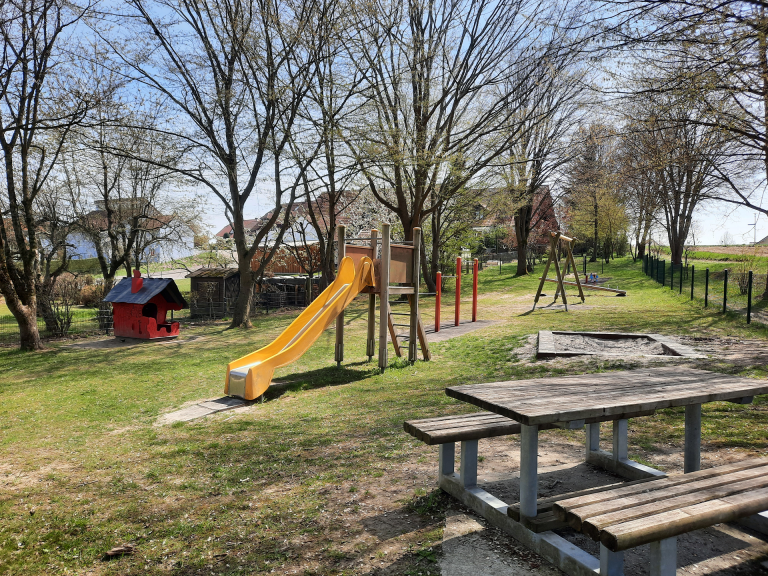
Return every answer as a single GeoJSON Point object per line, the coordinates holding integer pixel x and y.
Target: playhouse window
{"type": "Point", "coordinates": [149, 310]}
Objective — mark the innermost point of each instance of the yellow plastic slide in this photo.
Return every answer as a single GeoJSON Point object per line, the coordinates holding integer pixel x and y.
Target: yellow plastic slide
{"type": "Point", "coordinates": [249, 377]}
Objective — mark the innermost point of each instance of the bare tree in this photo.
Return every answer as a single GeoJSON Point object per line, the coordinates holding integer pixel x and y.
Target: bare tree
{"type": "Point", "coordinates": [715, 52]}
{"type": "Point", "coordinates": [540, 153]}
{"type": "Point", "coordinates": [235, 74]}
{"type": "Point", "coordinates": [686, 155]}
{"type": "Point", "coordinates": [330, 183]}
{"type": "Point", "coordinates": [124, 204]}
{"type": "Point", "coordinates": [639, 185]}
{"type": "Point", "coordinates": [40, 101]}
{"type": "Point", "coordinates": [591, 188]}
{"type": "Point", "coordinates": [435, 116]}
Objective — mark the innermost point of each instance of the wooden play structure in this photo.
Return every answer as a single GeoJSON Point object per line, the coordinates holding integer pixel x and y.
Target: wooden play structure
{"type": "Point", "coordinates": [565, 244]}
{"type": "Point", "coordinates": [396, 273]}
{"type": "Point", "coordinates": [377, 268]}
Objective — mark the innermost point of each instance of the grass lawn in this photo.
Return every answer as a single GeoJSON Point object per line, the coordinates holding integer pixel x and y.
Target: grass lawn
{"type": "Point", "coordinates": [304, 482]}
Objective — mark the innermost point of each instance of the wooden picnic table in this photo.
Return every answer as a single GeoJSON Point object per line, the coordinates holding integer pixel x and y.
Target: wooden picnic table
{"type": "Point", "coordinates": [588, 399]}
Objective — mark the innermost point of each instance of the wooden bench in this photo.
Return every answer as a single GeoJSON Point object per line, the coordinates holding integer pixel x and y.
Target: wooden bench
{"type": "Point", "coordinates": [445, 431]}
{"type": "Point", "coordinates": [658, 511]}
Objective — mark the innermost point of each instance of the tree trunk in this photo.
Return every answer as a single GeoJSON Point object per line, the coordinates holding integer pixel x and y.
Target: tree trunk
{"type": "Point", "coordinates": [26, 316]}
{"type": "Point", "coordinates": [241, 313]}
{"type": "Point", "coordinates": [523, 217]}
{"type": "Point", "coordinates": [428, 268]}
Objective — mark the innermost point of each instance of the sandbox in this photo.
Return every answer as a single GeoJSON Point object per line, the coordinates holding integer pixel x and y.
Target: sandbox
{"type": "Point", "coordinates": [554, 344]}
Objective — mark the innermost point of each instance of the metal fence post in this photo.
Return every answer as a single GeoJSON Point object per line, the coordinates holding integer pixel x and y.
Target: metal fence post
{"type": "Point", "coordinates": [663, 272]}
{"type": "Point", "coordinates": [671, 275]}
{"type": "Point", "coordinates": [706, 287]}
{"type": "Point", "coordinates": [680, 291]}
{"type": "Point", "coordinates": [749, 298]}
{"type": "Point", "coordinates": [725, 290]}
{"type": "Point", "coordinates": [693, 270]}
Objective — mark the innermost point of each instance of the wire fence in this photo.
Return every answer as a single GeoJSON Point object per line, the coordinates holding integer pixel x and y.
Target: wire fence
{"type": "Point", "coordinates": [734, 289]}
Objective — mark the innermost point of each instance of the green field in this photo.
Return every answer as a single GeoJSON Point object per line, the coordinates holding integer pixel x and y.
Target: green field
{"type": "Point", "coordinates": [299, 483]}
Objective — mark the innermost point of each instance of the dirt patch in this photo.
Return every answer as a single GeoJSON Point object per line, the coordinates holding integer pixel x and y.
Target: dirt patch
{"type": "Point", "coordinates": [115, 342]}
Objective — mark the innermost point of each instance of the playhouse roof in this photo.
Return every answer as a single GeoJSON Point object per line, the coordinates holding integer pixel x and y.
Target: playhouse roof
{"type": "Point", "coordinates": [151, 288]}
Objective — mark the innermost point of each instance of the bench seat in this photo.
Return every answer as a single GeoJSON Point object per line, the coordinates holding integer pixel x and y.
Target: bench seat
{"type": "Point", "coordinates": [658, 511]}
{"type": "Point", "coordinates": [475, 426]}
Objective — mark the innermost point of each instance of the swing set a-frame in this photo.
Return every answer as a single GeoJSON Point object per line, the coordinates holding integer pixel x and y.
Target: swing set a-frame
{"type": "Point", "coordinates": [566, 247]}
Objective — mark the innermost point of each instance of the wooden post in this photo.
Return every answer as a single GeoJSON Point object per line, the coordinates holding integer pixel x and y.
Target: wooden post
{"type": "Point", "coordinates": [575, 270]}
{"type": "Point", "coordinates": [341, 239]}
{"type": "Point", "coordinates": [560, 287]}
{"type": "Point", "coordinates": [438, 292]}
{"type": "Point", "coordinates": [370, 345]}
{"type": "Point", "coordinates": [544, 275]}
{"type": "Point", "coordinates": [457, 304]}
{"type": "Point", "coordinates": [474, 291]}
{"type": "Point", "coordinates": [384, 296]}
{"type": "Point", "coordinates": [412, 336]}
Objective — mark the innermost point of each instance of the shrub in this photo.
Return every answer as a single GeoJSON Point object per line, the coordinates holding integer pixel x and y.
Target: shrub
{"type": "Point", "coordinates": [91, 295]}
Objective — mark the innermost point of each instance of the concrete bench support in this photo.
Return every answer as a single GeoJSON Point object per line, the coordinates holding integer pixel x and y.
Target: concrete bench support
{"type": "Point", "coordinates": [692, 462]}
{"type": "Point", "coordinates": [447, 460]}
{"type": "Point", "coordinates": [529, 454]}
{"type": "Point", "coordinates": [664, 557]}
{"type": "Point", "coordinates": [468, 469]}
{"type": "Point", "coordinates": [593, 437]}
{"type": "Point", "coordinates": [620, 432]}
{"type": "Point", "coordinates": [611, 563]}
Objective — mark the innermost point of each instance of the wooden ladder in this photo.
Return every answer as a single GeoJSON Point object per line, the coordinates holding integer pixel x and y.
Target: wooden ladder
{"type": "Point", "coordinates": [422, 335]}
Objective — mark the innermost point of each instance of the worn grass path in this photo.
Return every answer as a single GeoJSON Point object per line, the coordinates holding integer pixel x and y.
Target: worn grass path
{"type": "Point", "coordinates": [319, 480]}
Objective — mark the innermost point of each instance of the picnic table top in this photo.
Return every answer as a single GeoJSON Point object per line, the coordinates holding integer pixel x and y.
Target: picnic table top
{"type": "Point", "coordinates": [605, 396]}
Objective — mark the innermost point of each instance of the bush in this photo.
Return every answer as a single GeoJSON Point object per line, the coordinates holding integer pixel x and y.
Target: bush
{"type": "Point", "coordinates": [91, 295]}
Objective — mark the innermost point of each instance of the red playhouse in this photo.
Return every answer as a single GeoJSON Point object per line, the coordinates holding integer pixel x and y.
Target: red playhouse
{"type": "Point", "coordinates": [139, 307]}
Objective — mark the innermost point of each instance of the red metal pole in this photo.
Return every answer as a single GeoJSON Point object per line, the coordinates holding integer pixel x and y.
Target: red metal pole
{"type": "Point", "coordinates": [438, 291]}
{"type": "Point", "coordinates": [474, 291]}
{"type": "Point", "coordinates": [457, 313]}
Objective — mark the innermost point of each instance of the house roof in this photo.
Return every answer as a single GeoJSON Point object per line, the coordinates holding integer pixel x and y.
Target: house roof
{"type": "Point", "coordinates": [150, 288]}
{"type": "Point", "coordinates": [252, 225]}
{"type": "Point", "coordinates": [763, 242]}
{"type": "Point", "coordinates": [213, 273]}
